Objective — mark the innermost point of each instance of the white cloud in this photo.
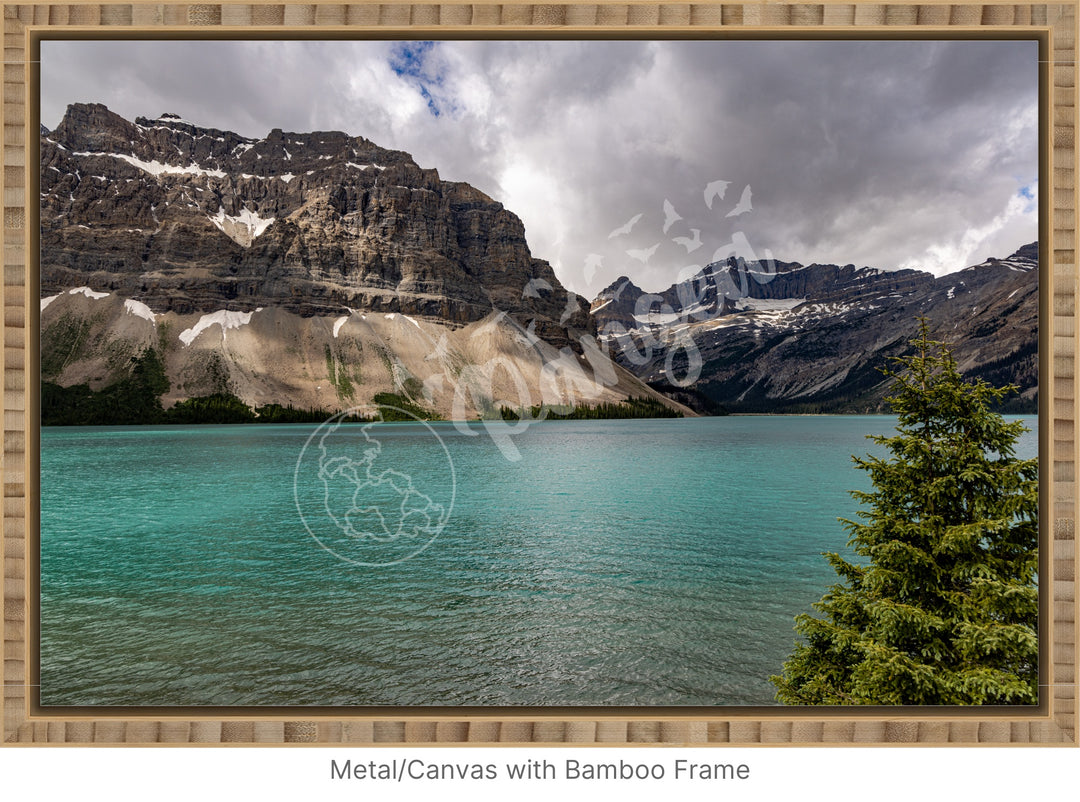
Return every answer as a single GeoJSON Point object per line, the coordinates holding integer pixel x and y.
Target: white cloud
{"type": "Point", "coordinates": [993, 238]}
{"type": "Point", "coordinates": [877, 153]}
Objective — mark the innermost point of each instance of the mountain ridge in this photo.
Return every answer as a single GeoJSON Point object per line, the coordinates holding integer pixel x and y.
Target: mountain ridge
{"type": "Point", "coordinates": [781, 336]}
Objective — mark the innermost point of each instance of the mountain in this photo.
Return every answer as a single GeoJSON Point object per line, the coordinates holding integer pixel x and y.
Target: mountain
{"type": "Point", "coordinates": [319, 269]}
{"type": "Point", "coordinates": [782, 336]}
{"type": "Point", "coordinates": [313, 269]}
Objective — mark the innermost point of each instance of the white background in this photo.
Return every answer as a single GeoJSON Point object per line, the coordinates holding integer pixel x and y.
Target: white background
{"type": "Point", "coordinates": [802, 774]}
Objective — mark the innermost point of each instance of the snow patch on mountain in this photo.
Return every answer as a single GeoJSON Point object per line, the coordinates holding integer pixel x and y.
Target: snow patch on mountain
{"type": "Point", "coordinates": [242, 228]}
{"type": "Point", "coordinates": [224, 318]}
{"type": "Point", "coordinates": [133, 307]}
{"type": "Point", "coordinates": [768, 304]}
{"type": "Point", "coordinates": [89, 293]}
{"type": "Point", "coordinates": [601, 306]}
{"type": "Point", "coordinates": [156, 168]}
{"type": "Point", "coordinates": [174, 118]}
{"type": "Point", "coordinates": [658, 318]}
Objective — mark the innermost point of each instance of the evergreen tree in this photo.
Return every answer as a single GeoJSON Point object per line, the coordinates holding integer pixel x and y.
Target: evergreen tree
{"type": "Point", "coordinates": [943, 608]}
{"type": "Point", "coordinates": [132, 399]}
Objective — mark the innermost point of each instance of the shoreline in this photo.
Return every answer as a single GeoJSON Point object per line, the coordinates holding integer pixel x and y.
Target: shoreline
{"type": "Point", "coordinates": [483, 422]}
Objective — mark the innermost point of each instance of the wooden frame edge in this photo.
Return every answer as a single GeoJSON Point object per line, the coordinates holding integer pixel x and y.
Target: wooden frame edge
{"type": "Point", "coordinates": [1055, 720]}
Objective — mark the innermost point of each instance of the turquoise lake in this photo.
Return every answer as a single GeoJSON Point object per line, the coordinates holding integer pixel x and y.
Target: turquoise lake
{"type": "Point", "coordinates": [656, 562]}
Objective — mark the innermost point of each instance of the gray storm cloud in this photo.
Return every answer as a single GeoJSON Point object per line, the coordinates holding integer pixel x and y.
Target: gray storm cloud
{"type": "Point", "coordinates": [883, 153]}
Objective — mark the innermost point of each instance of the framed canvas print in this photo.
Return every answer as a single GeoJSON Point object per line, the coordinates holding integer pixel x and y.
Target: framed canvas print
{"type": "Point", "coordinates": [701, 381]}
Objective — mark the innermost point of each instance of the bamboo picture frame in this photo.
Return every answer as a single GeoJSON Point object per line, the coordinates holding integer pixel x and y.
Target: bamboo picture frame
{"type": "Point", "coordinates": [1052, 722]}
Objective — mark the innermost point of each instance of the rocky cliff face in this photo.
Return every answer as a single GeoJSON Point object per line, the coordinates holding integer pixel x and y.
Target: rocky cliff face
{"type": "Point", "coordinates": [777, 336]}
{"type": "Point", "coordinates": [189, 219]}
{"type": "Point", "coordinates": [309, 269]}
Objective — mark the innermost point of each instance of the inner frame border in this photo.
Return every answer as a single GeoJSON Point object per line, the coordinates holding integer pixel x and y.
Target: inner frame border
{"type": "Point", "coordinates": [1053, 721]}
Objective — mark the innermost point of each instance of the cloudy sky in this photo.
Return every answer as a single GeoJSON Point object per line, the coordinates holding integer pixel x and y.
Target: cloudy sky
{"type": "Point", "coordinates": [885, 153]}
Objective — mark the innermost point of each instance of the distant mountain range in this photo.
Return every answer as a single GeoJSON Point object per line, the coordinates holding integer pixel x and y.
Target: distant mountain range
{"type": "Point", "coordinates": [786, 337]}
{"type": "Point", "coordinates": [321, 271]}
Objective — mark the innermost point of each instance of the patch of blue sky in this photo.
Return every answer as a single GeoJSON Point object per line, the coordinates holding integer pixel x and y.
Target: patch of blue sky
{"type": "Point", "coordinates": [1029, 192]}
{"type": "Point", "coordinates": [418, 64]}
